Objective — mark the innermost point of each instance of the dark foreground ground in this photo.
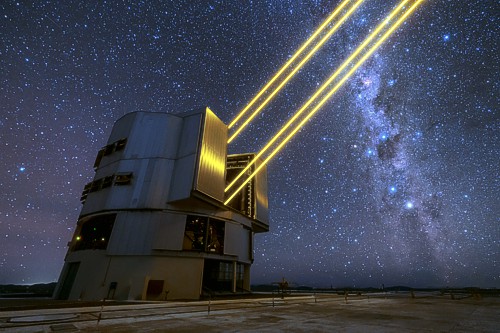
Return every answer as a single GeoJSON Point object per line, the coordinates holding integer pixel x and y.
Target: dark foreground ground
{"type": "Point", "coordinates": [390, 312]}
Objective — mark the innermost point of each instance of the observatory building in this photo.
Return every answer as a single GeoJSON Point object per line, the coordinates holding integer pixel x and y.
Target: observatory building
{"type": "Point", "coordinates": [153, 225]}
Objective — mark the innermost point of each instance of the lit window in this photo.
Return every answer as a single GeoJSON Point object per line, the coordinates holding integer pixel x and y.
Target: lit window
{"type": "Point", "coordinates": [123, 178]}
{"type": "Point", "coordinates": [120, 144]}
{"type": "Point", "coordinates": [215, 236]}
{"type": "Point", "coordinates": [95, 233]}
{"type": "Point", "coordinates": [195, 233]}
{"type": "Point", "coordinates": [203, 234]}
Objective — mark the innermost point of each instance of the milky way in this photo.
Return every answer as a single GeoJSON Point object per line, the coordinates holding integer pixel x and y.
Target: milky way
{"type": "Point", "coordinates": [394, 181]}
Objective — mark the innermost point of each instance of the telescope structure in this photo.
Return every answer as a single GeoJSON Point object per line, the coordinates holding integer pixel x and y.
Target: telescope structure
{"type": "Point", "coordinates": [154, 225]}
{"type": "Point", "coordinates": [171, 214]}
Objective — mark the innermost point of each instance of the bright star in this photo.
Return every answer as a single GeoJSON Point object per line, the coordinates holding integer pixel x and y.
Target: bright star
{"type": "Point", "coordinates": [22, 169]}
{"type": "Point", "coordinates": [409, 205]}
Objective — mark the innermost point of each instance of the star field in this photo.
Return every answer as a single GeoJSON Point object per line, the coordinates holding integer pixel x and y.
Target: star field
{"type": "Point", "coordinates": [395, 181]}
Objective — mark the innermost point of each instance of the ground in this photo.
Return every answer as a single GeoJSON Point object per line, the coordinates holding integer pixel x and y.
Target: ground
{"type": "Point", "coordinates": [391, 312]}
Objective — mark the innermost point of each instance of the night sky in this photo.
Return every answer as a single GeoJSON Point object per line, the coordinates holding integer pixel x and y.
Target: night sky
{"type": "Point", "coordinates": [395, 181]}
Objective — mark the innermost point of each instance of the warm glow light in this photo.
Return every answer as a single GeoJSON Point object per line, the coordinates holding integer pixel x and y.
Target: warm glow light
{"type": "Point", "coordinates": [299, 66]}
{"type": "Point", "coordinates": [320, 90]}
{"type": "Point", "coordinates": [330, 93]}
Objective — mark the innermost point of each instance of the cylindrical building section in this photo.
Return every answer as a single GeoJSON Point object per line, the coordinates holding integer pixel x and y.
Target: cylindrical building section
{"type": "Point", "coordinates": [153, 225]}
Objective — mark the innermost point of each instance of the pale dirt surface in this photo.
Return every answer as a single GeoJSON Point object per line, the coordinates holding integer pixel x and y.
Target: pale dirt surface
{"type": "Point", "coordinates": [322, 313]}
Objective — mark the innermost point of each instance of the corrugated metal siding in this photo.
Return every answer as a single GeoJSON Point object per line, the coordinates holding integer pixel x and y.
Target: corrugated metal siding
{"type": "Point", "coordinates": [261, 199]}
{"type": "Point", "coordinates": [210, 178]}
{"type": "Point", "coordinates": [257, 205]}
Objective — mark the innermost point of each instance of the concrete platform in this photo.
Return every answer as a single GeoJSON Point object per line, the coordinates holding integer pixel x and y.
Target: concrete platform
{"type": "Point", "coordinates": [300, 313]}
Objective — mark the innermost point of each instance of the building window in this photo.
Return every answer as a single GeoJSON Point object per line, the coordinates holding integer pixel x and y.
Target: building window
{"type": "Point", "coordinates": [123, 178]}
{"type": "Point", "coordinates": [204, 234]}
{"type": "Point", "coordinates": [98, 158]}
{"type": "Point", "coordinates": [94, 233]}
{"type": "Point", "coordinates": [195, 233]}
{"type": "Point", "coordinates": [107, 181]}
{"type": "Point", "coordinates": [218, 275]}
{"type": "Point", "coordinates": [96, 185]}
{"type": "Point", "coordinates": [108, 150]}
{"type": "Point", "coordinates": [225, 271]}
{"type": "Point", "coordinates": [215, 236]}
{"type": "Point", "coordinates": [85, 192]}
{"type": "Point", "coordinates": [120, 144]}
{"type": "Point", "coordinates": [240, 276]}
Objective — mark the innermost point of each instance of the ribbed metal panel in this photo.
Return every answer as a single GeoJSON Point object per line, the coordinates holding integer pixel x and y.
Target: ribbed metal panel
{"type": "Point", "coordinates": [261, 200]}
{"type": "Point", "coordinates": [252, 200]}
{"type": "Point", "coordinates": [210, 178]}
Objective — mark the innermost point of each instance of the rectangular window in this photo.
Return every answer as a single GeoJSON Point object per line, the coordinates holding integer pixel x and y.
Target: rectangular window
{"type": "Point", "coordinates": [120, 144]}
{"type": "Point", "coordinates": [240, 275]}
{"type": "Point", "coordinates": [85, 192]}
{"type": "Point", "coordinates": [195, 233]}
{"type": "Point", "coordinates": [98, 158]}
{"type": "Point", "coordinates": [225, 271]}
{"type": "Point", "coordinates": [215, 236]}
{"type": "Point", "coordinates": [123, 178]}
{"type": "Point", "coordinates": [96, 185]}
{"type": "Point", "coordinates": [109, 149]}
{"type": "Point", "coordinates": [107, 181]}
{"type": "Point", "coordinates": [94, 233]}
{"type": "Point", "coordinates": [204, 234]}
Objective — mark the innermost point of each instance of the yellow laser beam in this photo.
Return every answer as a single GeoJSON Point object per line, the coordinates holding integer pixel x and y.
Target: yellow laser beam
{"type": "Point", "coordinates": [323, 101]}
{"type": "Point", "coordinates": [296, 69]}
{"type": "Point", "coordinates": [358, 50]}
{"type": "Point", "coordinates": [289, 62]}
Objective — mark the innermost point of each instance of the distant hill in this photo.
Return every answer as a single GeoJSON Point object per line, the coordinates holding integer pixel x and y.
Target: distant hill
{"type": "Point", "coordinates": [35, 290]}
{"type": "Point", "coordinates": [342, 290]}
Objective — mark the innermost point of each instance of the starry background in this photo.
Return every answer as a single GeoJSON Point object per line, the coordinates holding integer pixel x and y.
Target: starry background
{"type": "Point", "coordinates": [395, 181]}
